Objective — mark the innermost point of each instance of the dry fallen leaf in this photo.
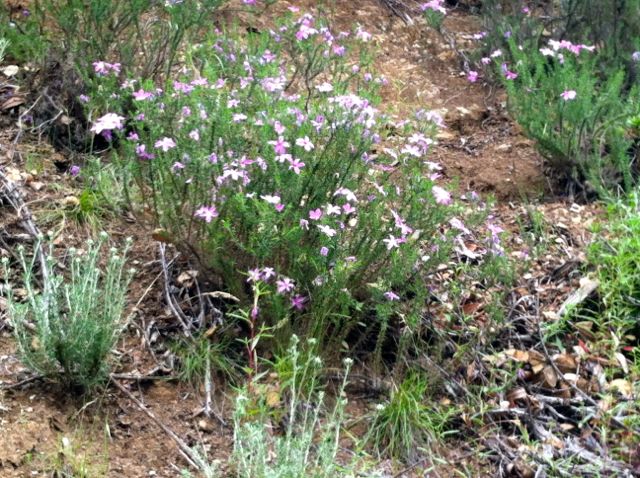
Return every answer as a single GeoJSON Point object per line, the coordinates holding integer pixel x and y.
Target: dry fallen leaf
{"type": "Point", "coordinates": [623, 386]}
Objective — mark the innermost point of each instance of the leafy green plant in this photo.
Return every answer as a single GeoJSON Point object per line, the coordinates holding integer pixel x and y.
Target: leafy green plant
{"type": "Point", "coordinates": [270, 162]}
{"type": "Point", "coordinates": [308, 444]}
{"type": "Point", "coordinates": [406, 423]}
{"type": "Point", "coordinates": [616, 257]}
{"type": "Point", "coordinates": [140, 37]}
{"type": "Point", "coordinates": [573, 98]}
{"type": "Point", "coordinates": [578, 118]}
{"type": "Point", "coordinates": [67, 330]}
{"type": "Point", "coordinates": [4, 43]}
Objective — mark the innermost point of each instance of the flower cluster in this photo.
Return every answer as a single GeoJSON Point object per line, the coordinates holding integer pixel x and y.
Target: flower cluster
{"type": "Point", "coordinates": [252, 165]}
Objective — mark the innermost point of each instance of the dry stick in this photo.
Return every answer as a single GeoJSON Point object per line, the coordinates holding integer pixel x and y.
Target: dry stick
{"type": "Point", "coordinates": [11, 193]}
{"type": "Point", "coordinates": [176, 310]}
{"type": "Point", "coordinates": [184, 449]}
{"type": "Point", "coordinates": [9, 386]}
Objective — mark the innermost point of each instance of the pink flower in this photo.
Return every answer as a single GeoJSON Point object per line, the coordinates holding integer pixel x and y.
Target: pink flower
{"type": "Point", "coordinates": [472, 76]}
{"type": "Point", "coordinates": [441, 196]}
{"type": "Point", "coordinates": [108, 122]}
{"type": "Point", "coordinates": [239, 117]}
{"type": "Point", "coordinates": [348, 208]}
{"type": "Point", "coordinates": [267, 273]}
{"type": "Point", "coordinates": [509, 75]}
{"type": "Point", "coordinates": [296, 165]}
{"type": "Point", "coordinates": [324, 251]}
{"type": "Point", "coordinates": [305, 143]}
{"type": "Point", "coordinates": [435, 5]}
{"type": "Point", "coordinates": [315, 214]}
{"type": "Point", "coordinates": [568, 95]}
{"type": "Point", "coordinates": [207, 213]}
{"type": "Point", "coordinates": [298, 301]}
{"type": "Point", "coordinates": [195, 135]}
{"type": "Point", "coordinates": [459, 225]}
{"type": "Point", "coordinates": [280, 146]}
{"type": "Point", "coordinates": [142, 95]}
{"type": "Point", "coordinates": [390, 295]}
{"type": "Point", "coordinates": [284, 285]}
{"type": "Point", "coordinates": [254, 275]}
{"type": "Point", "coordinates": [165, 144]}
{"type": "Point", "coordinates": [363, 35]}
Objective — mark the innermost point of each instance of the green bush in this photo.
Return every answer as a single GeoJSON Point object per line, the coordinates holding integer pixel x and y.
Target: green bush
{"type": "Point", "coordinates": [270, 163]}
{"type": "Point", "coordinates": [67, 330]}
{"type": "Point", "coordinates": [579, 119]}
{"type": "Point", "coordinates": [141, 37]}
{"type": "Point", "coordinates": [587, 48]}
{"type": "Point", "coordinates": [616, 258]}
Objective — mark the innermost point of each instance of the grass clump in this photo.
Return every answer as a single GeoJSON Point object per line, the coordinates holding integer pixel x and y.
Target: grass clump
{"type": "Point", "coordinates": [67, 329]}
{"type": "Point", "coordinates": [406, 423]}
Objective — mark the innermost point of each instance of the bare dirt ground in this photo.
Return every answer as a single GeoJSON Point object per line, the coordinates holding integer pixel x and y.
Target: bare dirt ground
{"type": "Point", "coordinates": [480, 148]}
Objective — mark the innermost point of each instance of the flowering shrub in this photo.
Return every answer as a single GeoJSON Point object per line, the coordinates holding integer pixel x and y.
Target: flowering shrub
{"type": "Point", "coordinates": [573, 98]}
{"type": "Point", "coordinates": [578, 118]}
{"type": "Point", "coordinates": [272, 164]}
{"type": "Point", "coordinates": [138, 35]}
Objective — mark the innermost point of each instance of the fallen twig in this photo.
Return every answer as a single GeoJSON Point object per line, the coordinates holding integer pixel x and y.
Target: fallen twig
{"type": "Point", "coordinates": [192, 458]}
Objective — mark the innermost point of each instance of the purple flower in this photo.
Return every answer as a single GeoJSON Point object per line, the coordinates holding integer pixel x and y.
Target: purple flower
{"type": "Point", "coordinates": [472, 76]}
{"type": "Point", "coordinates": [74, 170]}
{"type": "Point", "coordinates": [165, 144]}
{"type": "Point", "coordinates": [636, 56]}
{"type": "Point", "coordinates": [324, 251]}
{"type": "Point", "coordinates": [284, 285]}
{"type": "Point", "coordinates": [141, 151]}
{"type": "Point", "coordinates": [298, 301]}
{"type": "Point", "coordinates": [568, 95]}
{"type": "Point", "coordinates": [206, 213]}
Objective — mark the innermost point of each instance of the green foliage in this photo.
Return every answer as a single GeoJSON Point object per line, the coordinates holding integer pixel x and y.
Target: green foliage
{"type": "Point", "coordinates": [307, 447]}
{"type": "Point", "coordinates": [197, 355]}
{"type": "Point", "coordinates": [583, 137]}
{"type": "Point", "coordinates": [586, 139]}
{"type": "Point", "coordinates": [616, 257]}
{"type": "Point", "coordinates": [407, 422]}
{"type": "Point", "coordinates": [67, 330]}
{"type": "Point", "coordinates": [253, 176]}
{"type": "Point", "coordinates": [142, 36]}
{"type": "Point", "coordinates": [4, 43]}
